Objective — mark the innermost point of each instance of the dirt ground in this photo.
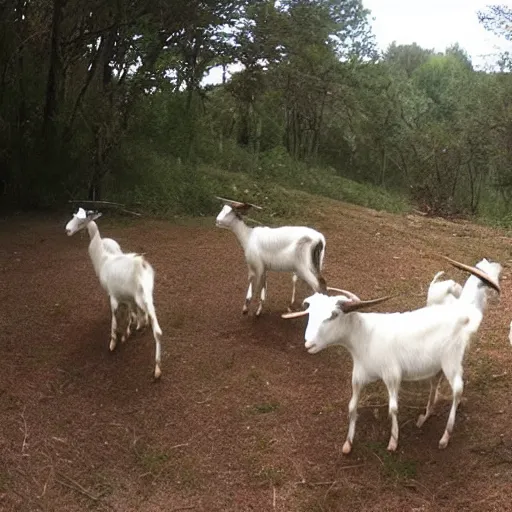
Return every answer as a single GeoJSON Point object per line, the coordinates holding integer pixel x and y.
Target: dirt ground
{"type": "Point", "coordinates": [243, 419]}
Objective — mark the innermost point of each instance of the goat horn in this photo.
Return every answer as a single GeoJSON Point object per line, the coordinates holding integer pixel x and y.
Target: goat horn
{"type": "Point", "coordinates": [350, 306]}
{"type": "Point", "coordinates": [488, 280]}
{"type": "Point", "coordinates": [295, 314]}
{"type": "Point", "coordinates": [229, 201]}
{"type": "Point", "coordinates": [237, 204]}
{"type": "Point", "coordinates": [348, 294]}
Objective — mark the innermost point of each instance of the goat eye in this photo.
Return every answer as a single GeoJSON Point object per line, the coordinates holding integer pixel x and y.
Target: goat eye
{"type": "Point", "coordinates": [334, 314]}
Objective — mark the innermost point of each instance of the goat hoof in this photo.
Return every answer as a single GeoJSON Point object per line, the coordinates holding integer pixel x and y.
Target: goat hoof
{"type": "Point", "coordinates": [421, 420]}
{"type": "Point", "coordinates": [444, 441]}
{"type": "Point", "coordinates": [158, 372]}
{"type": "Point", "coordinates": [113, 344]}
{"type": "Point", "coordinates": [392, 445]}
{"type": "Point", "coordinates": [347, 447]}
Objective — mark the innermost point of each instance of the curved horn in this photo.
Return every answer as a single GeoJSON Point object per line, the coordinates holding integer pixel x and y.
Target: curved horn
{"type": "Point", "coordinates": [488, 280]}
{"type": "Point", "coordinates": [255, 206]}
{"type": "Point", "coordinates": [295, 314]}
{"type": "Point", "coordinates": [350, 306]}
{"type": "Point", "coordinates": [348, 294]}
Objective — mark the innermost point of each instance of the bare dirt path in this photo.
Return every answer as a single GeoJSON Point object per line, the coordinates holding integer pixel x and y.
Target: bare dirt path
{"type": "Point", "coordinates": [243, 418]}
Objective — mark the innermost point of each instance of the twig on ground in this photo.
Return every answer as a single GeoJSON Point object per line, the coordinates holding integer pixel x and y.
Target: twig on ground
{"type": "Point", "coordinates": [50, 473]}
{"type": "Point", "coordinates": [273, 497]}
{"type": "Point", "coordinates": [314, 484]}
{"type": "Point", "coordinates": [178, 446]}
{"type": "Point", "coordinates": [24, 445]}
{"type": "Point", "coordinates": [380, 460]}
{"type": "Point", "coordinates": [67, 481]}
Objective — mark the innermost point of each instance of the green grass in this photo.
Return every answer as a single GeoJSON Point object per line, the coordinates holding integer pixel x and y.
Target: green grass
{"type": "Point", "coordinates": [286, 198]}
{"type": "Point", "coordinates": [155, 183]}
{"type": "Point", "coordinates": [394, 466]}
{"type": "Point", "coordinates": [265, 408]}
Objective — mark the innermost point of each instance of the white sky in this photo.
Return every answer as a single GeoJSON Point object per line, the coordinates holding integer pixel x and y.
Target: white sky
{"type": "Point", "coordinates": [435, 24]}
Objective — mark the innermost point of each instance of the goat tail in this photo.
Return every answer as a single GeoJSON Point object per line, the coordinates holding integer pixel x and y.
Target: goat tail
{"type": "Point", "coordinates": [437, 276]}
{"type": "Point", "coordinates": [317, 256]}
{"type": "Point", "coordinates": [317, 259]}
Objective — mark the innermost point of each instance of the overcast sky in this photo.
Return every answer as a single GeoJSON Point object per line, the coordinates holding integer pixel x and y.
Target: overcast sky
{"type": "Point", "coordinates": [434, 24]}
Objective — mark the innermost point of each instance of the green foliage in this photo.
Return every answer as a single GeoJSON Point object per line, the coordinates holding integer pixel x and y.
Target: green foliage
{"type": "Point", "coordinates": [160, 184]}
{"type": "Point", "coordinates": [108, 100]}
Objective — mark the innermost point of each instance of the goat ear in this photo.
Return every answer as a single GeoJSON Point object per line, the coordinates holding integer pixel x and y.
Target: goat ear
{"type": "Point", "coordinates": [80, 214]}
{"type": "Point", "coordinates": [93, 215]}
{"type": "Point", "coordinates": [242, 208]}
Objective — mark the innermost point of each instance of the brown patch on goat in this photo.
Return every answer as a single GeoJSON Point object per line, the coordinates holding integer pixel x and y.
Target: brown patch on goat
{"type": "Point", "coordinates": [322, 284]}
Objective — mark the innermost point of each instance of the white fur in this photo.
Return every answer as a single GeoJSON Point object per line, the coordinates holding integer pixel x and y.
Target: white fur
{"type": "Point", "coordinates": [474, 290]}
{"type": "Point", "coordinates": [415, 345]}
{"type": "Point", "coordinates": [111, 246]}
{"type": "Point", "coordinates": [284, 249]}
{"type": "Point", "coordinates": [443, 292]}
{"type": "Point", "coordinates": [449, 291]}
{"type": "Point", "coordinates": [127, 278]}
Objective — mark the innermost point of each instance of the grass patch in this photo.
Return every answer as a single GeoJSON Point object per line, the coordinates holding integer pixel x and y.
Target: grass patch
{"type": "Point", "coordinates": [285, 198]}
{"type": "Point", "coordinates": [273, 476]}
{"type": "Point", "coordinates": [150, 180]}
{"type": "Point", "coordinates": [264, 408]}
{"type": "Point", "coordinates": [5, 480]}
{"type": "Point", "coordinates": [394, 466]}
{"type": "Point", "coordinates": [152, 461]}
{"type": "Point", "coordinates": [178, 467]}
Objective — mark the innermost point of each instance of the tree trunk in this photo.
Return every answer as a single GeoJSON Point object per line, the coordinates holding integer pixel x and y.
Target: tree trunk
{"type": "Point", "coordinates": [54, 71]}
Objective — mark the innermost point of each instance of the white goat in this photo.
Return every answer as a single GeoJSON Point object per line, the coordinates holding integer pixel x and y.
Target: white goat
{"type": "Point", "coordinates": [127, 278]}
{"type": "Point", "coordinates": [449, 291]}
{"type": "Point", "coordinates": [415, 345]}
{"type": "Point", "coordinates": [296, 249]}
{"type": "Point", "coordinates": [474, 290]}
{"type": "Point", "coordinates": [443, 292]}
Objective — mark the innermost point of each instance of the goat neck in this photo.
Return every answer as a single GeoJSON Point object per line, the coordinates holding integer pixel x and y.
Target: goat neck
{"type": "Point", "coordinates": [242, 231]}
{"type": "Point", "coordinates": [96, 251]}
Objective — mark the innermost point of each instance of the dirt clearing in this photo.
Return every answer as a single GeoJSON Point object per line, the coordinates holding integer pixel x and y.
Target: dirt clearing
{"type": "Point", "coordinates": [243, 419]}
